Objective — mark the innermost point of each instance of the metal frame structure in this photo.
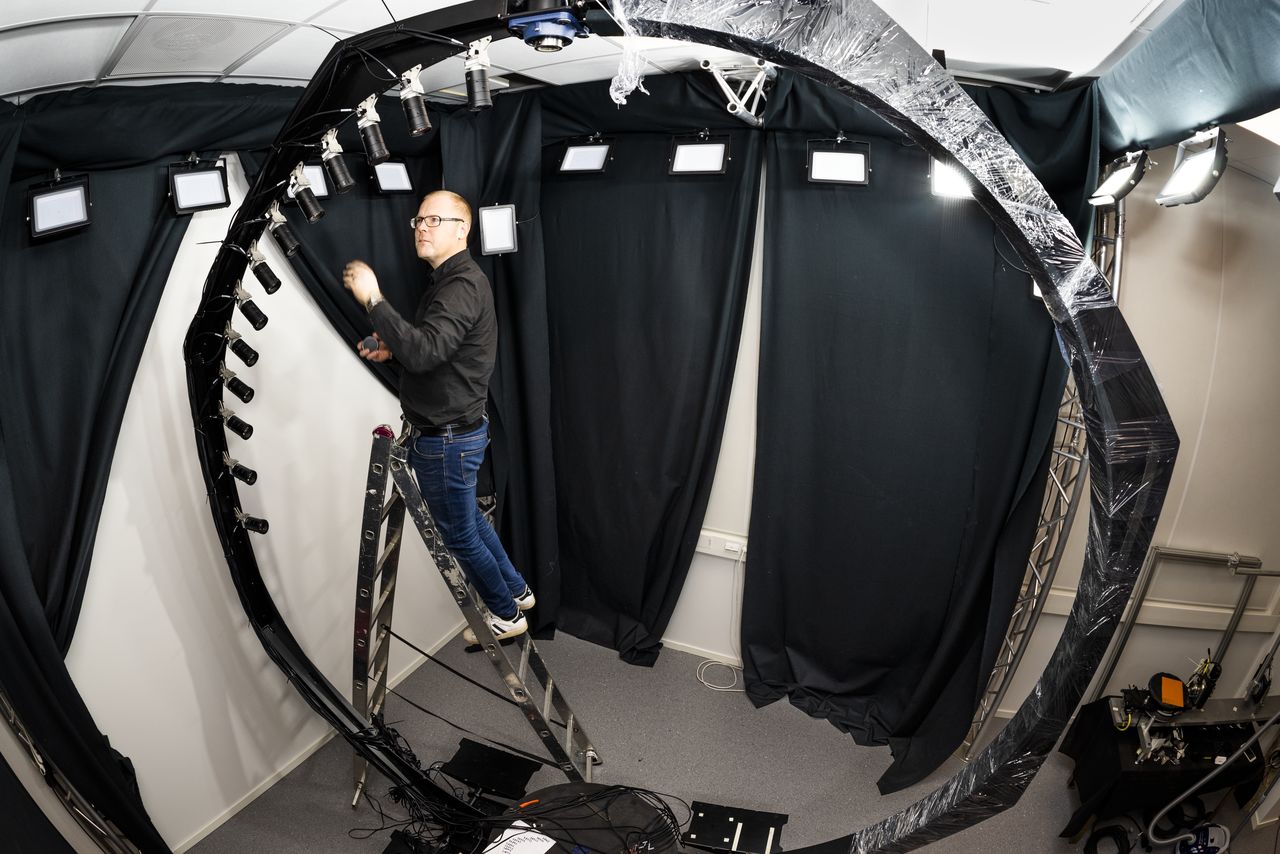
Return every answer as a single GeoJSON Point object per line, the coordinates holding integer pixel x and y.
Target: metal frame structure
{"type": "Point", "coordinates": [852, 46]}
{"type": "Point", "coordinates": [97, 826]}
{"type": "Point", "coordinates": [745, 87]}
{"type": "Point", "coordinates": [1236, 564]}
{"type": "Point", "coordinates": [1058, 509]}
{"type": "Point", "coordinates": [1057, 513]}
{"type": "Point", "coordinates": [380, 540]}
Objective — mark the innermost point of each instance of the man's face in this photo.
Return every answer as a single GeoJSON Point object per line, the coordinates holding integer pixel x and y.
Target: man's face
{"type": "Point", "coordinates": [443, 241]}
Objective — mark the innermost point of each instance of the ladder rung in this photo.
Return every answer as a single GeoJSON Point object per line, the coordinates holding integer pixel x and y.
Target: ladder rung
{"type": "Point", "coordinates": [387, 593]}
{"type": "Point", "coordinates": [546, 700]}
{"type": "Point", "coordinates": [522, 672]}
{"type": "Point", "coordinates": [568, 735]}
{"type": "Point", "coordinates": [379, 637]}
{"type": "Point", "coordinates": [392, 542]}
{"type": "Point", "coordinates": [379, 697]}
{"type": "Point", "coordinates": [386, 508]}
{"type": "Point", "coordinates": [376, 681]}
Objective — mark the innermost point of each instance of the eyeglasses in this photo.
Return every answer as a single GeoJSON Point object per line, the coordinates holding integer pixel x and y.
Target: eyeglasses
{"type": "Point", "coordinates": [431, 221]}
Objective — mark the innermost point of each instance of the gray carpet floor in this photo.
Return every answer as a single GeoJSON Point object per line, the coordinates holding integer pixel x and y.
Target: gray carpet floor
{"type": "Point", "coordinates": [658, 729]}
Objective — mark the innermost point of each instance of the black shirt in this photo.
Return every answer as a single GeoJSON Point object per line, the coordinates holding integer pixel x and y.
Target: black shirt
{"type": "Point", "coordinates": [448, 351]}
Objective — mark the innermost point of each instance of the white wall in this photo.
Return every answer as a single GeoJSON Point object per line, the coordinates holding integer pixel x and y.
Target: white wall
{"type": "Point", "coordinates": [1200, 291]}
{"type": "Point", "coordinates": [163, 653]}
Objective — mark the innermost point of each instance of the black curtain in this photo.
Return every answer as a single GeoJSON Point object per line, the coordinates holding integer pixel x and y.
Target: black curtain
{"type": "Point", "coordinates": [75, 314]}
{"type": "Point", "coordinates": [647, 280]}
{"type": "Point", "coordinates": [907, 392]}
{"type": "Point", "coordinates": [490, 158]}
{"type": "Point", "coordinates": [27, 829]}
{"type": "Point", "coordinates": [367, 224]}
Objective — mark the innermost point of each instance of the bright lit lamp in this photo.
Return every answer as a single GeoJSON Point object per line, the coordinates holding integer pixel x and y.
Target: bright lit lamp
{"type": "Point", "coordinates": [196, 187]}
{"type": "Point", "coordinates": [497, 229]}
{"type": "Point", "coordinates": [590, 156]}
{"type": "Point", "coordinates": [1195, 174]}
{"type": "Point", "coordinates": [948, 181]}
{"type": "Point", "coordinates": [1126, 172]}
{"type": "Point", "coordinates": [61, 205]}
{"type": "Point", "coordinates": [838, 161]}
{"type": "Point", "coordinates": [392, 176]}
{"type": "Point", "coordinates": [702, 155]}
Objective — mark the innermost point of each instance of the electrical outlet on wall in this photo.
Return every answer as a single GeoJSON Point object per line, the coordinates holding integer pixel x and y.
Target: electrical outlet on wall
{"type": "Point", "coordinates": [721, 544]}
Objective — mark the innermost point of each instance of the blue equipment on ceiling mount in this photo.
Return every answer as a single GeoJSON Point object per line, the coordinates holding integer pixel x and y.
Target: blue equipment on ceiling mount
{"type": "Point", "coordinates": [549, 31]}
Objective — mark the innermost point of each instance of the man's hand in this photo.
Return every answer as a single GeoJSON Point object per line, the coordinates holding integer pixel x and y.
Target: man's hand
{"type": "Point", "coordinates": [382, 354]}
{"type": "Point", "coordinates": [358, 278]}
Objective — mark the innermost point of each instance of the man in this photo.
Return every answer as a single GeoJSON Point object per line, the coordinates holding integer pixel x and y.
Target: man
{"type": "Point", "coordinates": [447, 354]}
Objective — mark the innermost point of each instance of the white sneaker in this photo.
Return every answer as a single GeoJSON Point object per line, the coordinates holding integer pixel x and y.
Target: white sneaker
{"type": "Point", "coordinates": [525, 600]}
{"type": "Point", "coordinates": [502, 629]}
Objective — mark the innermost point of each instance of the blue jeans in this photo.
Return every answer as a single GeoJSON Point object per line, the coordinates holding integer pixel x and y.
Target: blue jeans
{"type": "Point", "coordinates": [446, 468]}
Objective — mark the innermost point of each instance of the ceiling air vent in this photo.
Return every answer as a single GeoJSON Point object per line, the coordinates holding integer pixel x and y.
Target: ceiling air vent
{"type": "Point", "coordinates": [191, 45]}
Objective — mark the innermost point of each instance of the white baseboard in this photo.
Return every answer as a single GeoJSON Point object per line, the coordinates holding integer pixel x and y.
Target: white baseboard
{"type": "Point", "coordinates": [723, 658]}
{"type": "Point", "coordinates": [280, 773]}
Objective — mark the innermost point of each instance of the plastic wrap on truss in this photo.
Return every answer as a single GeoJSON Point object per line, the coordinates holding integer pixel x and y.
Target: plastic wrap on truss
{"type": "Point", "coordinates": [853, 46]}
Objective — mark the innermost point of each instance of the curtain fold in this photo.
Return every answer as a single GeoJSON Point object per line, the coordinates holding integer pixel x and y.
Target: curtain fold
{"type": "Point", "coordinates": [490, 158]}
{"type": "Point", "coordinates": [908, 386]}
{"type": "Point", "coordinates": [26, 826]}
{"type": "Point", "coordinates": [647, 279]}
{"type": "Point", "coordinates": [75, 313]}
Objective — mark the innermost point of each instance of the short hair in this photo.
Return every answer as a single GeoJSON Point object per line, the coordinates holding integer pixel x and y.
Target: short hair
{"type": "Point", "coordinates": [458, 203]}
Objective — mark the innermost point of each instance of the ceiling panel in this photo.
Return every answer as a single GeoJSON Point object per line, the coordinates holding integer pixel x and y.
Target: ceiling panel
{"type": "Point", "coordinates": [602, 68]}
{"type": "Point", "coordinates": [360, 15]}
{"type": "Point", "coordinates": [28, 11]}
{"type": "Point", "coordinates": [285, 10]}
{"type": "Point", "coordinates": [449, 73]}
{"type": "Point", "coordinates": [296, 55]}
{"type": "Point", "coordinates": [1072, 36]}
{"type": "Point", "coordinates": [58, 54]}
{"type": "Point", "coordinates": [516, 55]}
{"type": "Point", "coordinates": [192, 45]}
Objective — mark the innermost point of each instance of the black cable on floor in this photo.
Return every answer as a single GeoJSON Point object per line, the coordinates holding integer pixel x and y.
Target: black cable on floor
{"type": "Point", "coordinates": [464, 677]}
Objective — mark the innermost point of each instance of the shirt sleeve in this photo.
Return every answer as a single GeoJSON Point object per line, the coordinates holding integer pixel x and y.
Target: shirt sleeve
{"type": "Point", "coordinates": [434, 341]}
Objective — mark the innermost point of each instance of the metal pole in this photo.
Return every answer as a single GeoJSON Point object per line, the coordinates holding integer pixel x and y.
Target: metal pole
{"type": "Point", "coordinates": [1154, 555]}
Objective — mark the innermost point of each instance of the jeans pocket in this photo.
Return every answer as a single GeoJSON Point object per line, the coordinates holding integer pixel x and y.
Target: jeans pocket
{"type": "Point", "coordinates": [470, 464]}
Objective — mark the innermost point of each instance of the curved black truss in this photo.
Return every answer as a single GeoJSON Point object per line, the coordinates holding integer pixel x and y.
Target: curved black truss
{"type": "Point", "coordinates": [852, 46]}
{"type": "Point", "coordinates": [344, 79]}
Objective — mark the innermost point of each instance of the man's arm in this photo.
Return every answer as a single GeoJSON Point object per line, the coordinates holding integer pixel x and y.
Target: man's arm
{"type": "Point", "coordinates": [434, 341]}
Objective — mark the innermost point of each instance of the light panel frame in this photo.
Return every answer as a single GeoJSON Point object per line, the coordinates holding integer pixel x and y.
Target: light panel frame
{"type": "Point", "coordinates": [63, 184]}
{"type": "Point", "coordinates": [494, 219]}
{"type": "Point", "coordinates": [177, 171]}
{"type": "Point", "coordinates": [844, 148]}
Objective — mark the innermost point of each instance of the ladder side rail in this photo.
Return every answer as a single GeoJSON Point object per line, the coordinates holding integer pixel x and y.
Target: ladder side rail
{"type": "Point", "coordinates": [464, 598]}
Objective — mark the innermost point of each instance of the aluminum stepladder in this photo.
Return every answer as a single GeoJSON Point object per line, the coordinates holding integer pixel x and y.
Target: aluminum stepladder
{"type": "Point", "coordinates": [380, 539]}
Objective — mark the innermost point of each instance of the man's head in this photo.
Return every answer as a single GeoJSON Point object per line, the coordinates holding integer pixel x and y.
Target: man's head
{"type": "Point", "coordinates": [436, 244]}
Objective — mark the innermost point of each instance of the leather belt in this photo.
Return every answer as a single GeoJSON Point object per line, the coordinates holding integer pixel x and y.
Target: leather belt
{"type": "Point", "coordinates": [447, 429]}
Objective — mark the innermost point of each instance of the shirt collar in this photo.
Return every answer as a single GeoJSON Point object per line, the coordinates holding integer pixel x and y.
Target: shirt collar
{"type": "Point", "coordinates": [452, 263]}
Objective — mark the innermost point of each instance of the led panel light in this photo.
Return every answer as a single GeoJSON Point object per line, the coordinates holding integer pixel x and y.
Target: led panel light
{"type": "Point", "coordinates": [948, 181]}
{"type": "Point", "coordinates": [591, 157]}
{"type": "Point", "coordinates": [1196, 174]}
{"type": "Point", "coordinates": [319, 181]}
{"type": "Point", "coordinates": [838, 162]}
{"type": "Point", "coordinates": [702, 157]}
{"type": "Point", "coordinates": [63, 205]}
{"type": "Point", "coordinates": [392, 176]}
{"type": "Point", "coordinates": [497, 229]}
{"type": "Point", "coordinates": [1125, 177]}
{"type": "Point", "coordinates": [198, 188]}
